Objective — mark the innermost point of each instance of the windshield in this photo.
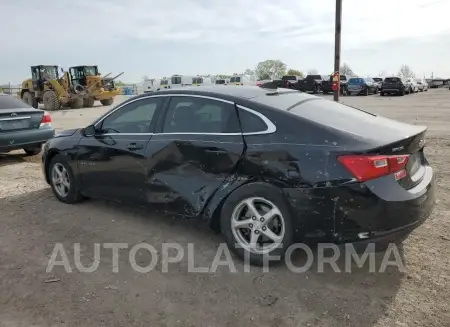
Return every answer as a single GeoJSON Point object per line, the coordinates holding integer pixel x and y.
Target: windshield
{"type": "Point", "coordinates": [220, 81]}
{"type": "Point", "coordinates": [392, 80]}
{"type": "Point", "coordinates": [49, 72]}
{"type": "Point", "coordinates": [355, 81]}
{"type": "Point", "coordinates": [235, 79]}
{"type": "Point", "coordinates": [175, 80]}
{"type": "Point", "coordinates": [90, 70]}
{"type": "Point", "coordinates": [164, 82]}
{"type": "Point", "coordinates": [289, 78]}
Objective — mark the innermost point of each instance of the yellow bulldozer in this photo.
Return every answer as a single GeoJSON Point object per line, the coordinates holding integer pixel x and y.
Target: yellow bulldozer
{"type": "Point", "coordinates": [96, 87]}
{"type": "Point", "coordinates": [45, 86]}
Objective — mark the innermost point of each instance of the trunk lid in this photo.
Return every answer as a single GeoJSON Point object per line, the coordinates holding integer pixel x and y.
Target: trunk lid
{"type": "Point", "coordinates": [20, 119]}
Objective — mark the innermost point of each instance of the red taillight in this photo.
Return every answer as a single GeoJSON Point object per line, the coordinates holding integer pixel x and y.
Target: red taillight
{"type": "Point", "coordinates": [364, 168]}
{"type": "Point", "coordinates": [46, 120]}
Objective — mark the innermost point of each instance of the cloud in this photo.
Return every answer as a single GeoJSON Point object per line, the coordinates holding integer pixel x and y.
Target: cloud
{"type": "Point", "coordinates": [258, 28]}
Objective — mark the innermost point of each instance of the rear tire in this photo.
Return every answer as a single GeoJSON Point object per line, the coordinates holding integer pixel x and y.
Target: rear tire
{"type": "Point", "coordinates": [263, 196]}
{"type": "Point", "coordinates": [50, 100]}
{"type": "Point", "coordinates": [107, 102]}
{"type": "Point", "coordinates": [366, 92]}
{"type": "Point", "coordinates": [32, 151]}
{"type": "Point", "coordinates": [382, 94]}
{"type": "Point", "coordinates": [71, 194]}
{"type": "Point", "coordinates": [76, 103]}
{"type": "Point", "coordinates": [30, 98]}
{"type": "Point", "coordinates": [88, 102]}
{"type": "Point", "coordinates": [402, 92]}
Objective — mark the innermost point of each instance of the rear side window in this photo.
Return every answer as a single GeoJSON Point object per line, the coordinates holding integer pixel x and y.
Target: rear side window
{"type": "Point", "coordinates": [251, 123]}
{"type": "Point", "coordinates": [335, 115]}
{"type": "Point", "coordinates": [10, 102]}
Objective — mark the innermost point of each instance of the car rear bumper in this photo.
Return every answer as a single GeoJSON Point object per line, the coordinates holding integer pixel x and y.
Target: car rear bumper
{"type": "Point", "coordinates": [29, 138]}
{"type": "Point", "coordinates": [391, 90]}
{"type": "Point", "coordinates": [356, 213]}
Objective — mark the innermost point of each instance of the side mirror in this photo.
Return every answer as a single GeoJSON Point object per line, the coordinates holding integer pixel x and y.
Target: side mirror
{"type": "Point", "coordinates": [89, 131]}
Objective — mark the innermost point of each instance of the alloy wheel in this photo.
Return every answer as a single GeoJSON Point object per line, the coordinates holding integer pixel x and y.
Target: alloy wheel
{"type": "Point", "coordinates": [60, 180]}
{"type": "Point", "coordinates": [258, 225]}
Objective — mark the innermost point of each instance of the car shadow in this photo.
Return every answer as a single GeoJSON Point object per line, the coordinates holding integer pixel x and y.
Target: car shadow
{"type": "Point", "coordinates": [271, 296]}
{"type": "Point", "coordinates": [17, 157]}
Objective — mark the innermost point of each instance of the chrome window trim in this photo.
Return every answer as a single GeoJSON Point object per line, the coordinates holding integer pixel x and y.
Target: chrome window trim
{"type": "Point", "coordinates": [271, 128]}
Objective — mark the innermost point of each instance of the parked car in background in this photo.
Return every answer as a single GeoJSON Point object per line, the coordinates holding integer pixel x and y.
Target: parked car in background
{"type": "Point", "coordinates": [361, 86]}
{"type": "Point", "coordinates": [422, 84]}
{"type": "Point", "coordinates": [235, 156]}
{"type": "Point", "coordinates": [435, 83]}
{"type": "Point", "coordinates": [412, 84]}
{"type": "Point", "coordinates": [260, 82]}
{"type": "Point", "coordinates": [311, 83]}
{"type": "Point", "coordinates": [290, 81]}
{"type": "Point", "coordinates": [379, 81]}
{"type": "Point", "coordinates": [22, 126]}
{"type": "Point", "coordinates": [394, 85]}
{"type": "Point", "coordinates": [327, 85]}
{"type": "Point", "coordinates": [279, 83]}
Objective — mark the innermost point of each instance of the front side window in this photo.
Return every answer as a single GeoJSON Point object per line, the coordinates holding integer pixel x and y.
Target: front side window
{"type": "Point", "coordinates": [199, 115]}
{"type": "Point", "coordinates": [134, 117]}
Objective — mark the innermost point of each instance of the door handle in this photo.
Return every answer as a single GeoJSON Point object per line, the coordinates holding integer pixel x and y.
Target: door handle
{"type": "Point", "coordinates": [134, 146]}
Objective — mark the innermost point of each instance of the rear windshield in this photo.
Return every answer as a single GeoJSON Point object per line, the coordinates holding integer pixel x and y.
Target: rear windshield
{"type": "Point", "coordinates": [315, 76]}
{"type": "Point", "coordinates": [356, 81]}
{"type": "Point", "coordinates": [334, 114]}
{"type": "Point", "coordinates": [377, 79]}
{"type": "Point", "coordinates": [10, 102]}
{"type": "Point", "coordinates": [392, 79]}
{"type": "Point", "coordinates": [235, 79]}
{"type": "Point", "coordinates": [220, 81]}
{"type": "Point", "coordinates": [289, 78]}
{"type": "Point", "coordinates": [197, 80]}
{"type": "Point", "coordinates": [164, 82]}
{"type": "Point", "coordinates": [175, 80]}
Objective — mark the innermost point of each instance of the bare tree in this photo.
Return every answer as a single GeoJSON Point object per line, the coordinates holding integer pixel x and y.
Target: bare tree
{"type": "Point", "coordinates": [312, 71]}
{"type": "Point", "coordinates": [346, 70]}
{"type": "Point", "coordinates": [406, 72]}
{"type": "Point", "coordinates": [145, 78]}
{"type": "Point", "coordinates": [249, 72]}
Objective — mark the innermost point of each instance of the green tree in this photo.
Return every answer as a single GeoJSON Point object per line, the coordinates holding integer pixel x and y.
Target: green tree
{"type": "Point", "coordinates": [249, 72]}
{"type": "Point", "coordinates": [272, 69]}
{"type": "Point", "coordinates": [294, 72]}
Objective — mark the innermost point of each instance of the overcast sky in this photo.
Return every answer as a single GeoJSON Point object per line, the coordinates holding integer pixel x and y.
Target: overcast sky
{"type": "Point", "coordinates": [164, 37]}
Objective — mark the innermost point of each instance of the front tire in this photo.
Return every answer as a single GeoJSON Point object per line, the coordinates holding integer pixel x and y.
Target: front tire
{"type": "Point", "coordinates": [50, 100]}
{"type": "Point", "coordinates": [107, 102]}
{"type": "Point", "coordinates": [88, 102]}
{"type": "Point", "coordinates": [62, 180]}
{"type": "Point", "coordinates": [366, 92]}
{"type": "Point", "coordinates": [256, 222]}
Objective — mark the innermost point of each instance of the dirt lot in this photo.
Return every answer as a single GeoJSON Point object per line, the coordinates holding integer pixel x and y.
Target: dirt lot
{"type": "Point", "coordinates": [32, 221]}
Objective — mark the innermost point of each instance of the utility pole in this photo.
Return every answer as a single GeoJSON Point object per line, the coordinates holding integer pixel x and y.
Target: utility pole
{"type": "Point", "coordinates": [337, 46]}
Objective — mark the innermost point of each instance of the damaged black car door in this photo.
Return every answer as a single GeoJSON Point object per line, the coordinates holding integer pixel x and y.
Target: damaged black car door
{"type": "Point", "coordinates": [197, 145]}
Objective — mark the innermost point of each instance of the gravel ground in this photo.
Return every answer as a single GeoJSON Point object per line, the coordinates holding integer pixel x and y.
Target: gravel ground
{"type": "Point", "coordinates": [32, 221]}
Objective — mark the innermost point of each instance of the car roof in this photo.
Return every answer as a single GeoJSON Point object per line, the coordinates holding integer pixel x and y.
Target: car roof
{"type": "Point", "coordinates": [276, 98]}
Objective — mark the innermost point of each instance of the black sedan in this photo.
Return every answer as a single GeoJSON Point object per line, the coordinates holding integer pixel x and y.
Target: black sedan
{"type": "Point", "coordinates": [23, 127]}
{"type": "Point", "coordinates": [266, 167]}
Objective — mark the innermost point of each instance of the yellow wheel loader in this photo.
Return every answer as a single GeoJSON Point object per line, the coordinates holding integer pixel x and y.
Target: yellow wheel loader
{"type": "Point", "coordinates": [96, 87]}
{"type": "Point", "coordinates": [45, 86]}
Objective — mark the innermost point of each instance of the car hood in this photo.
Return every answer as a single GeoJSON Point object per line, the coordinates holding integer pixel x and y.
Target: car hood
{"type": "Point", "coordinates": [67, 132]}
